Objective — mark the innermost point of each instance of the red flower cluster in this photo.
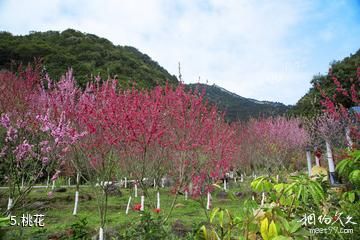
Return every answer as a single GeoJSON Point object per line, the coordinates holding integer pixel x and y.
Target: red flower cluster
{"type": "Point", "coordinates": [318, 153]}
{"type": "Point", "coordinates": [137, 207]}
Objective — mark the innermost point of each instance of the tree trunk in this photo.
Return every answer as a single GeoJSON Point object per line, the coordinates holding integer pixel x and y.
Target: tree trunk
{"type": "Point", "coordinates": [308, 158]}
{"type": "Point", "coordinates": [332, 176]}
{"type": "Point", "coordinates": [77, 194]}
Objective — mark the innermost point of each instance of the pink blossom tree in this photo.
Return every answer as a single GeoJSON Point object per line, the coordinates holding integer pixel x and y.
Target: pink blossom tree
{"type": "Point", "coordinates": [337, 120]}
{"type": "Point", "coordinates": [333, 105]}
{"type": "Point", "coordinates": [35, 138]}
{"type": "Point", "coordinates": [272, 143]}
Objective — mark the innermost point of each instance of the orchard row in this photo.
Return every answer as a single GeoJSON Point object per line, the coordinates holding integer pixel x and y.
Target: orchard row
{"type": "Point", "coordinates": [104, 133]}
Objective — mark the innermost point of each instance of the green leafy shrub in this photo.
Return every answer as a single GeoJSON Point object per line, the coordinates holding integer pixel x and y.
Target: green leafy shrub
{"type": "Point", "coordinates": [148, 228]}
{"type": "Point", "coordinates": [349, 168]}
{"type": "Point", "coordinates": [79, 230]}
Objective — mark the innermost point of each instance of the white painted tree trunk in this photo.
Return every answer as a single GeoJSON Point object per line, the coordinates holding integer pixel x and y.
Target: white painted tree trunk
{"type": "Point", "coordinates": [330, 163]}
{"type": "Point", "coordinates": [241, 178]}
{"type": "Point", "coordinates": [76, 203]}
{"type": "Point", "coordinates": [125, 184]}
{"type": "Point", "coordinates": [277, 178]}
{"type": "Point", "coordinates": [47, 181]}
{"type": "Point", "coordinates": [154, 183]}
{"type": "Point", "coordinates": [208, 201]}
{"type": "Point", "coordinates": [225, 184]}
{"type": "Point", "coordinates": [235, 179]}
{"type": "Point", "coordinates": [135, 190]}
{"type": "Point", "coordinates": [162, 182]}
{"type": "Point", "coordinates": [317, 161]}
{"type": "Point", "coordinates": [308, 159]}
{"type": "Point", "coordinates": [142, 203]}
{"type": "Point", "coordinates": [262, 199]}
{"type": "Point", "coordinates": [101, 233]}
{"type": "Point", "coordinates": [128, 206]}
{"type": "Point", "coordinates": [53, 185]}
{"type": "Point", "coordinates": [330, 157]}
{"type": "Point", "coordinates": [10, 203]}
{"type": "Point", "coordinates": [348, 138]}
{"type": "Point", "coordinates": [158, 200]}
{"type": "Point", "coordinates": [69, 182]}
{"type": "Point", "coordinates": [186, 195]}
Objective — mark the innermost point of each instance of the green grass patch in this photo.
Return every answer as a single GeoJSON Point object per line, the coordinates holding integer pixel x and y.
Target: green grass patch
{"type": "Point", "coordinates": [58, 209]}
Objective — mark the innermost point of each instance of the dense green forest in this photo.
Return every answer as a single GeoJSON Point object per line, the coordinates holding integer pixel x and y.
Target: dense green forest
{"type": "Point", "coordinates": [345, 71]}
{"type": "Point", "coordinates": [87, 54]}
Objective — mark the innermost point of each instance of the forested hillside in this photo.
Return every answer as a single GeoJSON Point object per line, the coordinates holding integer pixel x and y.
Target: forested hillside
{"type": "Point", "coordinates": [87, 54]}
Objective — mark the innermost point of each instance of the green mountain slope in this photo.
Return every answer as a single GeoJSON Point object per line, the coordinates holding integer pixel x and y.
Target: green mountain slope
{"type": "Point", "coordinates": [87, 54]}
{"type": "Point", "coordinates": [240, 108]}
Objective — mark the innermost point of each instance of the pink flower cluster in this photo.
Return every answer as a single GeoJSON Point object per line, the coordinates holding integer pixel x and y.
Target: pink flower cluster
{"type": "Point", "coordinates": [271, 142]}
{"type": "Point", "coordinates": [24, 151]}
{"type": "Point", "coordinates": [38, 120]}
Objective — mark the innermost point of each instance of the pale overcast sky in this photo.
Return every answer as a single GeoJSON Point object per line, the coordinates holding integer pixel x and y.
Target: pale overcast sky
{"type": "Point", "coordinates": [267, 50]}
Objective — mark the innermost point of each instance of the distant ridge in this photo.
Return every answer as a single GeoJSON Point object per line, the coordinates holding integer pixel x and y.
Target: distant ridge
{"type": "Point", "coordinates": [240, 108]}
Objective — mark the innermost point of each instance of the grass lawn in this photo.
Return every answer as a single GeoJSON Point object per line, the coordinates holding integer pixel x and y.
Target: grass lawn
{"type": "Point", "coordinates": [58, 209]}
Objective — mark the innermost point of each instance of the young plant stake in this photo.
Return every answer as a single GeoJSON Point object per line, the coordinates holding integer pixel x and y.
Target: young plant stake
{"type": "Point", "coordinates": [158, 200]}
{"type": "Point", "coordinates": [142, 203]}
